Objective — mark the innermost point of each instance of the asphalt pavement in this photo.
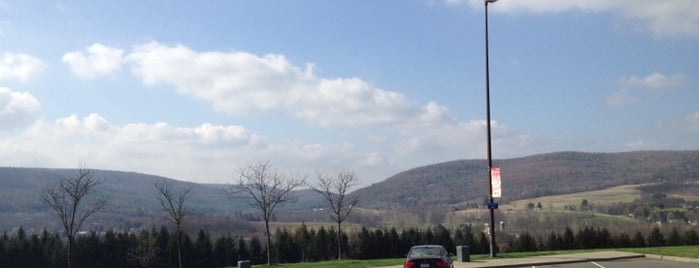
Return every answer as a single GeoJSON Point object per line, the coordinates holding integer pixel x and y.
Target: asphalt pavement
{"type": "Point", "coordinates": [561, 259]}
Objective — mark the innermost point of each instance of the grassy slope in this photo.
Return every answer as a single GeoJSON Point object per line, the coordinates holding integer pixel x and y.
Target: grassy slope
{"type": "Point", "coordinates": [618, 194]}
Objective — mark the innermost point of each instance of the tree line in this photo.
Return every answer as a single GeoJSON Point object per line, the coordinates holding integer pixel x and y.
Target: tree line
{"type": "Point", "coordinates": [588, 237]}
{"type": "Point", "coordinates": [158, 247]}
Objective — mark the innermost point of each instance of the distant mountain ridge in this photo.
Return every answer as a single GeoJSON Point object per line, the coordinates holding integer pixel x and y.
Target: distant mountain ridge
{"type": "Point", "coordinates": [130, 195]}
{"type": "Point", "coordinates": [465, 182]}
{"type": "Point", "coordinates": [453, 184]}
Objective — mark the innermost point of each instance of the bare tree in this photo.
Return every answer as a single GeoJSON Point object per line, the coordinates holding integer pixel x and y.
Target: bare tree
{"type": "Point", "coordinates": [175, 207]}
{"type": "Point", "coordinates": [335, 189]}
{"type": "Point", "coordinates": [265, 189]}
{"type": "Point", "coordinates": [69, 199]}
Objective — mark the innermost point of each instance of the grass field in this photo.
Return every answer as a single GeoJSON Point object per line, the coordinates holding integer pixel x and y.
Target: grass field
{"type": "Point", "coordinates": [619, 194]}
{"type": "Point", "coordinates": [679, 251]}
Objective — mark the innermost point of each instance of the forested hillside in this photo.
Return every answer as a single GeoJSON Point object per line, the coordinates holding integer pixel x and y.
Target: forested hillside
{"type": "Point", "coordinates": [449, 186]}
{"type": "Point", "coordinates": [131, 200]}
{"type": "Point", "coordinates": [463, 183]}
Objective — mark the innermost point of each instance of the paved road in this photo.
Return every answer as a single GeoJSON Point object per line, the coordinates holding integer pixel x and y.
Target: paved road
{"type": "Point", "coordinates": [623, 263]}
{"type": "Point", "coordinates": [602, 259]}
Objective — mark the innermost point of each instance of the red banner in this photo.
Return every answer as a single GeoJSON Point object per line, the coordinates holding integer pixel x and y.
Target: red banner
{"type": "Point", "coordinates": [495, 182]}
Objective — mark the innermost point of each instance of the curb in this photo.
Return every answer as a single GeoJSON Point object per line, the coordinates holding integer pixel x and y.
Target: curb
{"type": "Point", "coordinates": [672, 258]}
{"type": "Point", "coordinates": [553, 262]}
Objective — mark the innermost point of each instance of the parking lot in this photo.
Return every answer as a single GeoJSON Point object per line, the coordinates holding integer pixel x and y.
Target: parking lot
{"type": "Point", "coordinates": [623, 263]}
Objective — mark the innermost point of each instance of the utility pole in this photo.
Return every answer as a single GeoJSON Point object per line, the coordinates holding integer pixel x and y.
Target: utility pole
{"type": "Point", "coordinates": [491, 205]}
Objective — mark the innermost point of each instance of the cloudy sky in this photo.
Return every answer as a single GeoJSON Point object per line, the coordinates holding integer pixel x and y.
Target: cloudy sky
{"type": "Point", "coordinates": [195, 90]}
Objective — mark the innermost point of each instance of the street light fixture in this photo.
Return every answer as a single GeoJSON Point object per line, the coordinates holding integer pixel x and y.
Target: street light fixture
{"type": "Point", "coordinates": [491, 205]}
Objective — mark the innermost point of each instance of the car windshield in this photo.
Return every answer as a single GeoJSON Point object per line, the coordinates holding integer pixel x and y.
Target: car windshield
{"type": "Point", "coordinates": [426, 252]}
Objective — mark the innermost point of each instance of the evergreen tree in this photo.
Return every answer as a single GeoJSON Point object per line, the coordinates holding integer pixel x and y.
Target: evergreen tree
{"type": "Point", "coordinates": [586, 238]}
{"type": "Point", "coordinates": [243, 251]}
{"type": "Point", "coordinates": [675, 239]}
{"type": "Point", "coordinates": [202, 254]}
{"type": "Point", "coordinates": [568, 239]}
{"type": "Point", "coordinates": [144, 251]}
{"type": "Point", "coordinates": [303, 238]}
{"type": "Point", "coordinates": [428, 237]}
{"type": "Point", "coordinates": [638, 240]}
{"type": "Point", "coordinates": [17, 249]}
{"type": "Point", "coordinates": [524, 243]}
{"type": "Point", "coordinates": [187, 247]}
{"type": "Point", "coordinates": [162, 243]}
{"type": "Point", "coordinates": [87, 251]}
{"type": "Point", "coordinates": [257, 252]}
{"type": "Point", "coordinates": [624, 241]}
{"type": "Point", "coordinates": [691, 238]}
{"type": "Point", "coordinates": [285, 247]}
{"type": "Point", "coordinates": [224, 252]}
{"type": "Point", "coordinates": [393, 242]}
{"type": "Point", "coordinates": [604, 239]}
{"type": "Point", "coordinates": [483, 244]}
{"type": "Point", "coordinates": [321, 244]}
{"type": "Point", "coordinates": [655, 238]}
{"type": "Point", "coordinates": [443, 237]}
{"type": "Point", "coordinates": [332, 247]}
{"type": "Point", "coordinates": [554, 242]}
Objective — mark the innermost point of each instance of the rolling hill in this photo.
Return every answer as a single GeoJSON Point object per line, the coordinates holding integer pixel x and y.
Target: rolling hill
{"type": "Point", "coordinates": [454, 185]}
{"type": "Point", "coordinates": [131, 198]}
{"type": "Point", "coordinates": [464, 183]}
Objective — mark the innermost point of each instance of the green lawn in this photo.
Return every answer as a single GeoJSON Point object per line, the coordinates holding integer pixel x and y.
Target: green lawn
{"type": "Point", "coordinates": [342, 263]}
{"type": "Point", "coordinates": [680, 251]}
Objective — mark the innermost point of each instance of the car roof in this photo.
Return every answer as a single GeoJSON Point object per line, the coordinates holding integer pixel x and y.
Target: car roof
{"type": "Point", "coordinates": [427, 246]}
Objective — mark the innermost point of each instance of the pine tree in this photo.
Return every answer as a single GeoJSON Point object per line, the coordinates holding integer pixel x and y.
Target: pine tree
{"type": "Point", "coordinates": [655, 238]}
{"type": "Point", "coordinates": [202, 250]}
{"type": "Point", "coordinates": [638, 240]}
{"type": "Point", "coordinates": [675, 239]}
{"type": "Point", "coordinates": [225, 253]}
{"type": "Point", "coordinates": [691, 237]}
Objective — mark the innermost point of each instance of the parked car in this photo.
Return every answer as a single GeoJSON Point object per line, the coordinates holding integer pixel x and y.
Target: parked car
{"type": "Point", "coordinates": [428, 256]}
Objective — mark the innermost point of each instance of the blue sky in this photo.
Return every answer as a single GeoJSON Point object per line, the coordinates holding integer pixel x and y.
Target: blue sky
{"type": "Point", "coordinates": [194, 91]}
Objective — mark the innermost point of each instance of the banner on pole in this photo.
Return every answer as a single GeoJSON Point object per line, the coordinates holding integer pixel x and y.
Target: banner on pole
{"type": "Point", "coordinates": [495, 182]}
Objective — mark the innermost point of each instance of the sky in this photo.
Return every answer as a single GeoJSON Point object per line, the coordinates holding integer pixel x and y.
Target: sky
{"type": "Point", "coordinates": [196, 90]}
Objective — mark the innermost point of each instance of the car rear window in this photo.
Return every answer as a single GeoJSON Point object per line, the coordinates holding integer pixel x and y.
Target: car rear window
{"type": "Point", "coordinates": [425, 253]}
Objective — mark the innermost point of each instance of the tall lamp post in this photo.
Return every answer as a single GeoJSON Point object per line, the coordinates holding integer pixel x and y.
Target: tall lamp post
{"type": "Point", "coordinates": [491, 205]}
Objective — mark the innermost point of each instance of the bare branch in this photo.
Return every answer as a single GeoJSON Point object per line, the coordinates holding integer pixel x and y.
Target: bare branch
{"type": "Point", "coordinates": [265, 189]}
{"type": "Point", "coordinates": [335, 190]}
{"type": "Point", "coordinates": [175, 207]}
{"type": "Point", "coordinates": [173, 203]}
{"type": "Point", "coordinates": [68, 200]}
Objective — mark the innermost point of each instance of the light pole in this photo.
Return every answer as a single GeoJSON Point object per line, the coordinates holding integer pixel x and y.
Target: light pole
{"type": "Point", "coordinates": [491, 206]}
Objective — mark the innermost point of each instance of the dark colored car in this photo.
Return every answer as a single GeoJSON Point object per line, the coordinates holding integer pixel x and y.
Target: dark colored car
{"type": "Point", "coordinates": [428, 256]}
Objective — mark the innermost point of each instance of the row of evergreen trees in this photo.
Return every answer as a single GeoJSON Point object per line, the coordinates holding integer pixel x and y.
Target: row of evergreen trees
{"type": "Point", "coordinates": [157, 248]}
{"type": "Point", "coordinates": [589, 237]}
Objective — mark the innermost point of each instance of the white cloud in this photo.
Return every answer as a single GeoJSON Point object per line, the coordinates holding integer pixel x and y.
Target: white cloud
{"type": "Point", "coordinates": [201, 152]}
{"type": "Point", "coordinates": [635, 89]}
{"type": "Point", "coordinates": [97, 60]}
{"type": "Point", "coordinates": [654, 81]}
{"type": "Point", "coordinates": [17, 66]}
{"type": "Point", "coordinates": [641, 145]}
{"type": "Point", "coordinates": [239, 83]}
{"type": "Point", "coordinates": [693, 121]}
{"type": "Point", "coordinates": [660, 17]}
{"type": "Point", "coordinates": [16, 108]}
{"type": "Point", "coordinates": [621, 97]}
{"type": "Point", "coordinates": [374, 159]}
{"type": "Point", "coordinates": [462, 140]}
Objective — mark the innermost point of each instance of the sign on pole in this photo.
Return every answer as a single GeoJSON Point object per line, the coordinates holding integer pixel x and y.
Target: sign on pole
{"type": "Point", "coordinates": [495, 182]}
